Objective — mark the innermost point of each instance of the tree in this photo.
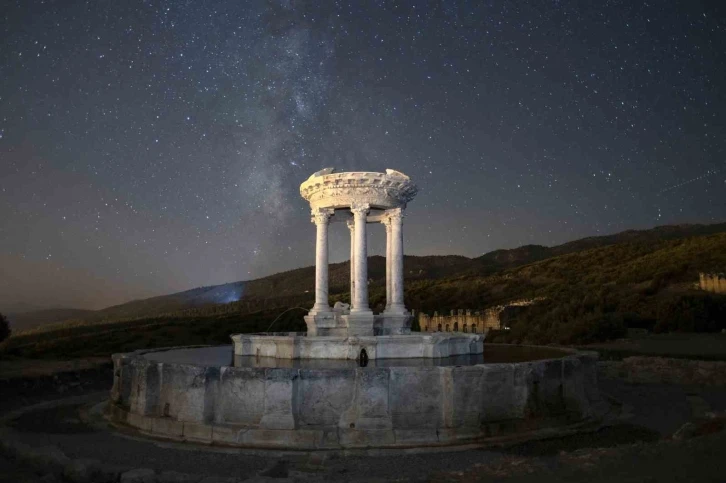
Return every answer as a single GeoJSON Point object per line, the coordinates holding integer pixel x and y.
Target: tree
{"type": "Point", "coordinates": [4, 328]}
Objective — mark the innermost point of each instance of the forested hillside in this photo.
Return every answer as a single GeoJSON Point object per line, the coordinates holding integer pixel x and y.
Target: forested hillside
{"type": "Point", "coordinates": [597, 293]}
{"type": "Point", "coordinates": [633, 279]}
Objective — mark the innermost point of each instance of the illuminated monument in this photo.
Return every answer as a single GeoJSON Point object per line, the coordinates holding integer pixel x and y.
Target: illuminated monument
{"type": "Point", "coordinates": [344, 331]}
{"type": "Point", "coordinates": [355, 379]}
{"type": "Point", "coordinates": [359, 198]}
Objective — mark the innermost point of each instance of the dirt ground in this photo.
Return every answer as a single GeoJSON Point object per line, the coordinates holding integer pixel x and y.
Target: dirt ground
{"type": "Point", "coordinates": [664, 432]}
{"type": "Point", "coordinates": [689, 346]}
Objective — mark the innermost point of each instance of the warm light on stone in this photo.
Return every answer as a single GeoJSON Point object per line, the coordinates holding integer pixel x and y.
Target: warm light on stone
{"type": "Point", "coordinates": [359, 198]}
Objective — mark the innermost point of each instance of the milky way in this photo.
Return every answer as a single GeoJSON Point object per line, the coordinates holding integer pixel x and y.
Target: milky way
{"type": "Point", "coordinates": [150, 147]}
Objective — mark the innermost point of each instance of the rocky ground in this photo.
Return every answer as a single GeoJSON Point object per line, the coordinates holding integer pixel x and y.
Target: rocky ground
{"type": "Point", "coordinates": [669, 429]}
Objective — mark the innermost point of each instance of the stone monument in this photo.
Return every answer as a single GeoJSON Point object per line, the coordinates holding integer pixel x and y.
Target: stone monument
{"type": "Point", "coordinates": [346, 331]}
{"type": "Point", "coordinates": [318, 390]}
{"type": "Point", "coordinates": [359, 198]}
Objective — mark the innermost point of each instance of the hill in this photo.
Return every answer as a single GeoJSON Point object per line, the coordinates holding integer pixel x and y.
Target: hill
{"type": "Point", "coordinates": [36, 318]}
{"type": "Point", "coordinates": [597, 293]}
{"type": "Point", "coordinates": [294, 286]}
{"type": "Point", "coordinates": [499, 259]}
{"type": "Point", "coordinates": [589, 295]}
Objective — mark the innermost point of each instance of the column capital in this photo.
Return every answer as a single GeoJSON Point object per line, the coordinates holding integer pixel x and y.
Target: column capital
{"type": "Point", "coordinates": [359, 208]}
{"type": "Point", "coordinates": [321, 216]}
{"type": "Point", "coordinates": [394, 215]}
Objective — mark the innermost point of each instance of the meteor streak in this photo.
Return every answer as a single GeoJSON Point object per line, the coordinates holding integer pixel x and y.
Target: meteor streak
{"type": "Point", "coordinates": [693, 180]}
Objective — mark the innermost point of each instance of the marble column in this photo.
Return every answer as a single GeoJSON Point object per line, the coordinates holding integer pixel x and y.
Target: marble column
{"type": "Point", "coordinates": [351, 227]}
{"type": "Point", "coordinates": [321, 217]}
{"type": "Point", "coordinates": [396, 220]}
{"type": "Point", "coordinates": [360, 213]}
{"type": "Point", "coordinates": [387, 224]}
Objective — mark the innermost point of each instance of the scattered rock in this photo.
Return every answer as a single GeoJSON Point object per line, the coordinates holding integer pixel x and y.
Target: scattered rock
{"type": "Point", "coordinates": [47, 458]}
{"type": "Point", "coordinates": [278, 470]}
{"type": "Point", "coordinates": [111, 473]}
{"type": "Point", "coordinates": [15, 449]}
{"type": "Point", "coordinates": [176, 477]}
{"type": "Point", "coordinates": [699, 427]}
{"type": "Point", "coordinates": [49, 478]}
{"type": "Point", "coordinates": [139, 475]}
{"type": "Point", "coordinates": [219, 479]}
{"type": "Point", "coordinates": [684, 432]}
{"type": "Point", "coordinates": [659, 370]}
{"type": "Point", "coordinates": [82, 471]}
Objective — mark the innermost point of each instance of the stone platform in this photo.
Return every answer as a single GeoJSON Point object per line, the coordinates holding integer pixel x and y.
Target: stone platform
{"type": "Point", "coordinates": [364, 407]}
{"type": "Point", "coordinates": [298, 346]}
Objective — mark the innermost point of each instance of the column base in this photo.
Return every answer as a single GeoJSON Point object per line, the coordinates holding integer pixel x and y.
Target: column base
{"type": "Point", "coordinates": [324, 323]}
{"type": "Point", "coordinates": [359, 323]}
{"type": "Point", "coordinates": [389, 323]}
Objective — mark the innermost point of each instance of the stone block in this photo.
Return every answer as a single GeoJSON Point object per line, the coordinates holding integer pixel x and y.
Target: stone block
{"type": "Point", "coordinates": [167, 427]}
{"type": "Point", "coordinates": [323, 396]}
{"type": "Point", "coordinates": [299, 439]}
{"type": "Point", "coordinates": [153, 388]}
{"type": "Point", "coordinates": [545, 391]}
{"type": "Point", "coordinates": [466, 393]}
{"type": "Point", "coordinates": [117, 414]}
{"type": "Point", "coordinates": [82, 471]}
{"type": "Point", "coordinates": [278, 399]}
{"type": "Point", "coordinates": [371, 406]}
{"type": "Point", "coordinates": [211, 393]}
{"type": "Point", "coordinates": [589, 364]}
{"type": "Point", "coordinates": [521, 384]}
{"type": "Point", "coordinates": [415, 397]}
{"type": "Point", "coordinates": [183, 392]}
{"type": "Point", "coordinates": [225, 434]}
{"type": "Point", "coordinates": [354, 438]}
{"type": "Point", "coordinates": [573, 380]}
{"type": "Point", "coordinates": [359, 324]}
{"type": "Point", "coordinates": [140, 422]}
{"type": "Point", "coordinates": [139, 475]}
{"type": "Point", "coordinates": [176, 477]}
{"type": "Point", "coordinates": [394, 324]}
{"type": "Point", "coordinates": [329, 439]}
{"type": "Point", "coordinates": [497, 391]}
{"type": "Point", "coordinates": [242, 396]}
{"type": "Point", "coordinates": [412, 437]}
{"type": "Point", "coordinates": [145, 385]}
{"type": "Point", "coordinates": [197, 432]}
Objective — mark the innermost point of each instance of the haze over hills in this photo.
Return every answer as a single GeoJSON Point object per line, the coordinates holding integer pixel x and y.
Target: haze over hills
{"type": "Point", "coordinates": [35, 318]}
{"type": "Point", "coordinates": [297, 284]}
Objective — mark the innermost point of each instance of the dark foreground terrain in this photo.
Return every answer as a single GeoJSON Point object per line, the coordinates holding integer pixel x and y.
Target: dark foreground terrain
{"type": "Point", "coordinates": [657, 431]}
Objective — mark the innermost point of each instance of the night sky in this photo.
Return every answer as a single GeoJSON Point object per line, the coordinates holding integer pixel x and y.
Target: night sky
{"type": "Point", "coordinates": [151, 147]}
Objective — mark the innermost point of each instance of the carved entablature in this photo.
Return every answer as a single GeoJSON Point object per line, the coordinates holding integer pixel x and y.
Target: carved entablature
{"type": "Point", "coordinates": [326, 189]}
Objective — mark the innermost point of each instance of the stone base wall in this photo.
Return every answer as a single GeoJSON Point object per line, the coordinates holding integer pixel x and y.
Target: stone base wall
{"type": "Point", "coordinates": [477, 322]}
{"type": "Point", "coordinates": [287, 408]}
{"type": "Point", "coordinates": [299, 346]}
{"type": "Point", "coordinates": [712, 282]}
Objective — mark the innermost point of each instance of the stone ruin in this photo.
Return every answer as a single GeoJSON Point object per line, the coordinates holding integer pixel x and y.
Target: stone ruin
{"type": "Point", "coordinates": [476, 322]}
{"type": "Point", "coordinates": [712, 282]}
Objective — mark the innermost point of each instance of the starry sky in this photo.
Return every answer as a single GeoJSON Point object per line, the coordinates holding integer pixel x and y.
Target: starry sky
{"type": "Point", "coordinates": [148, 147]}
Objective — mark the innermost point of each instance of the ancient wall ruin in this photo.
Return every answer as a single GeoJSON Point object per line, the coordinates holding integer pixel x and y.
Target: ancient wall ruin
{"type": "Point", "coordinates": [475, 322]}
{"type": "Point", "coordinates": [712, 282]}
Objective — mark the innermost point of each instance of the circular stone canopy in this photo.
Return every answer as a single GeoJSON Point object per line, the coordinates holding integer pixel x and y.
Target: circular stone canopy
{"type": "Point", "coordinates": [326, 189]}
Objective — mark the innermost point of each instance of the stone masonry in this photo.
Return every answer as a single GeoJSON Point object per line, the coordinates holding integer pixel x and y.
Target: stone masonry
{"type": "Point", "coordinates": [465, 321]}
{"type": "Point", "coordinates": [712, 282]}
